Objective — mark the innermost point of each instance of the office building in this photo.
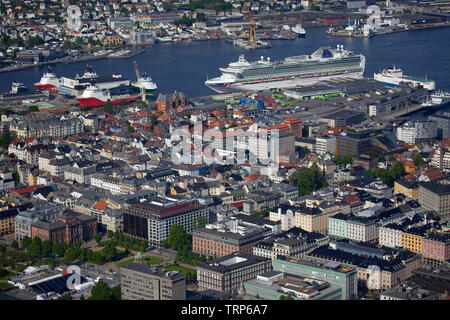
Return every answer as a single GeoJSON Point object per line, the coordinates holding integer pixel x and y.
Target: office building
{"type": "Point", "coordinates": [141, 282]}
{"type": "Point", "coordinates": [344, 278]}
{"type": "Point", "coordinates": [152, 220]}
{"type": "Point", "coordinates": [227, 273]}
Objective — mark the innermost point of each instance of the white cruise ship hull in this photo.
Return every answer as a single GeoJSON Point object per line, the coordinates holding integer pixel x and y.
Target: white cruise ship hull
{"type": "Point", "coordinates": [277, 84]}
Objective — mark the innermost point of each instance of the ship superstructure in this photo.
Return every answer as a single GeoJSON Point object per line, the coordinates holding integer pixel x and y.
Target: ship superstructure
{"type": "Point", "coordinates": [324, 64]}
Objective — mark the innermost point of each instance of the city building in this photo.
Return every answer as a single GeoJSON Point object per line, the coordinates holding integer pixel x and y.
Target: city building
{"type": "Point", "coordinates": [436, 248]}
{"type": "Point", "coordinates": [226, 237]}
{"type": "Point", "coordinates": [409, 188]}
{"type": "Point", "coordinates": [413, 132]}
{"type": "Point", "coordinates": [152, 220]}
{"type": "Point", "coordinates": [141, 282]}
{"type": "Point", "coordinates": [326, 145]}
{"type": "Point", "coordinates": [274, 284]}
{"type": "Point", "coordinates": [227, 273]}
{"type": "Point", "coordinates": [344, 278]}
{"type": "Point", "coordinates": [435, 196]}
{"type": "Point", "coordinates": [68, 226]}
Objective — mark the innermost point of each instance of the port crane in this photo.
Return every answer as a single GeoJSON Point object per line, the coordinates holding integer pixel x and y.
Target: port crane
{"type": "Point", "coordinates": [252, 33]}
{"type": "Point", "coordinates": [136, 69]}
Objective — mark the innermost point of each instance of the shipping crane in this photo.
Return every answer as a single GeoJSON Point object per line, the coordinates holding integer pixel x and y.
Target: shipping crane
{"type": "Point", "coordinates": [252, 34]}
{"type": "Point", "coordinates": [136, 69]}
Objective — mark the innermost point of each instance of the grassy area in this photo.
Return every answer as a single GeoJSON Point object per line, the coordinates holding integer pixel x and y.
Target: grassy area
{"type": "Point", "coordinates": [5, 286]}
{"type": "Point", "coordinates": [180, 269]}
{"type": "Point", "coordinates": [7, 276]}
{"type": "Point", "coordinates": [125, 263]}
{"type": "Point", "coordinates": [153, 260]}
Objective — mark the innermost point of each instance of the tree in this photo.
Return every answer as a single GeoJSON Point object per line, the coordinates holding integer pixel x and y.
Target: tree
{"type": "Point", "coordinates": [283, 297]}
{"type": "Point", "coordinates": [65, 298]}
{"type": "Point", "coordinates": [418, 160]}
{"type": "Point", "coordinates": [343, 159]}
{"type": "Point", "coordinates": [69, 255]}
{"type": "Point", "coordinates": [178, 237]}
{"type": "Point", "coordinates": [58, 249]}
{"type": "Point", "coordinates": [2, 249]}
{"type": "Point", "coordinates": [110, 234]}
{"type": "Point", "coordinates": [115, 293]}
{"type": "Point", "coordinates": [100, 291]}
{"type": "Point", "coordinates": [47, 247]}
{"type": "Point", "coordinates": [309, 180]}
{"type": "Point", "coordinates": [6, 138]}
{"type": "Point", "coordinates": [15, 244]}
{"type": "Point", "coordinates": [26, 242]}
{"type": "Point", "coordinates": [98, 238]}
{"type": "Point", "coordinates": [82, 297]}
{"type": "Point", "coordinates": [200, 222]}
{"type": "Point", "coordinates": [33, 108]}
{"type": "Point", "coordinates": [36, 246]}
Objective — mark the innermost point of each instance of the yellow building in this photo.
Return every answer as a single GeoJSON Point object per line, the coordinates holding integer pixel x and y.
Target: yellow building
{"type": "Point", "coordinates": [407, 188]}
{"type": "Point", "coordinates": [412, 242]}
{"type": "Point", "coordinates": [315, 219]}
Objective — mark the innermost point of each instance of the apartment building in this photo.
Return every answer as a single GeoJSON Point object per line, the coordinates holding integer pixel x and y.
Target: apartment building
{"type": "Point", "coordinates": [315, 219]}
{"type": "Point", "coordinates": [141, 282]}
{"type": "Point", "coordinates": [435, 196]}
{"type": "Point", "coordinates": [48, 128]}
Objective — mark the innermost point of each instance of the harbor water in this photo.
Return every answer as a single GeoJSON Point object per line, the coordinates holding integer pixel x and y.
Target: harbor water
{"type": "Point", "coordinates": [185, 66]}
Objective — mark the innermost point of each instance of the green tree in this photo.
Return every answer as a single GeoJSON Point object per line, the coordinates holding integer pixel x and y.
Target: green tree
{"type": "Point", "coordinates": [309, 180]}
{"type": "Point", "coordinates": [58, 249]}
{"type": "Point", "coordinates": [100, 291]}
{"type": "Point", "coordinates": [110, 234]}
{"type": "Point", "coordinates": [36, 247]}
{"type": "Point", "coordinates": [47, 247]}
{"type": "Point", "coordinates": [344, 159]}
{"type": "Point", "coordinates": [82, 297]}
{"type": "Point", "coordinates": [15, 244]}
{"type": "Point", "coordinates": [115, 293]}
{"type": "Point", "coordinates": [286, 297]}
{"type": "Point", "coordinates": [6, 138]}
{"type": "Point", "coordinates": [98, 238]}
{"type": "Point", "coordinates": [16, 177]}
{"type": "Point", "coordinates": [2, 249]}
{"type": "Point", "coordinates": [69, 255]}
{"type": "Point", "coordinates": [200, 222]}
{"type": "Point", "coordinates": [26, 242]}
{"type": "Point", "coordinates": [418, 160]}
{"type": "Point", "coordinates": [178, 237]}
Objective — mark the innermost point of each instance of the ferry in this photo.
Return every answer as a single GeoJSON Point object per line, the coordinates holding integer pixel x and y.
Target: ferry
{"type": "Point", "coordinates": [394, 76]}
{"type": "Point", "coordinates": [93, 96]}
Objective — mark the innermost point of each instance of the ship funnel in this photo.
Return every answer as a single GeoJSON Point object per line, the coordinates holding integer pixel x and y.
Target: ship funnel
{"type": "Point", "coordinates": [262, 58]}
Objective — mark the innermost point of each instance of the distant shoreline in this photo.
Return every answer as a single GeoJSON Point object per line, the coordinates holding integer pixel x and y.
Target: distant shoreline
{"type": "Point", "coordinates": [136, 52]}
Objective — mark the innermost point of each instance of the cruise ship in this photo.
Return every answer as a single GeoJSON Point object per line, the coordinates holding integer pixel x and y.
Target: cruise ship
{"type": "Point", "coordinates": [94, 96]}
{"type": "Point", "coordinates": [48, 81]}
{"type": "Point", "coordinates": [324, 64]}
{"type": "Point", "coordinates": [393, 77]}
